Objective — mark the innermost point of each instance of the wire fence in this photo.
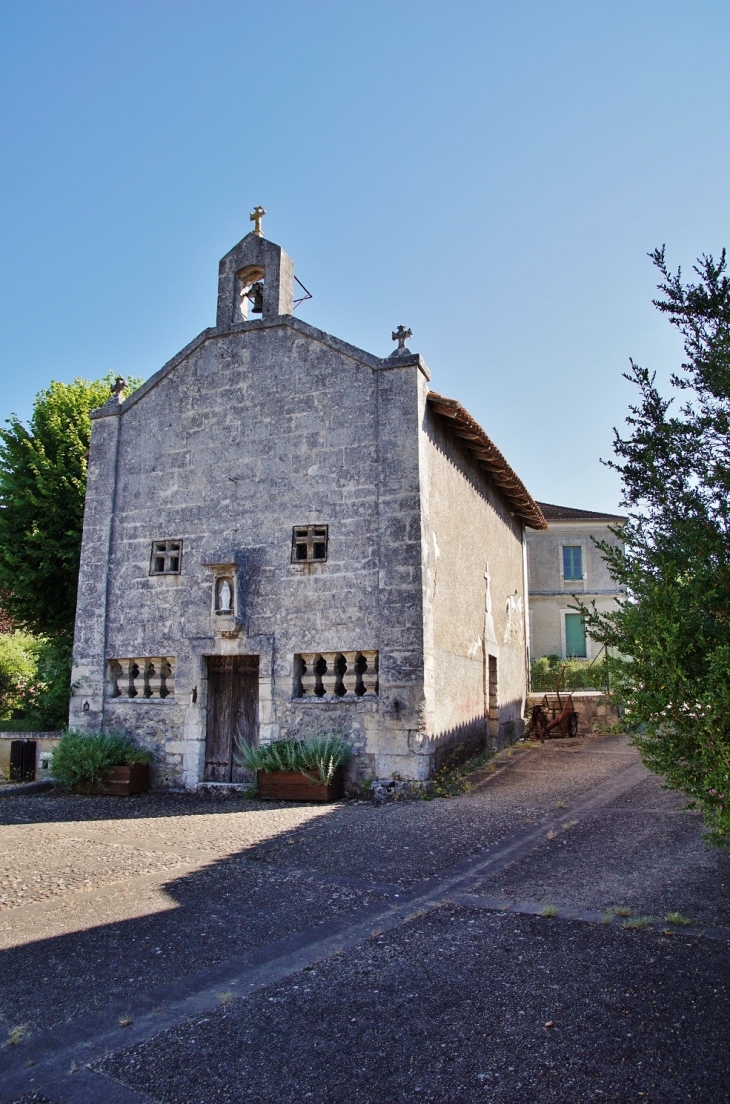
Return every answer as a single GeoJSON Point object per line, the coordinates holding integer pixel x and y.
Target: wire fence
{"type": "Point", "coordinates": [576, 674]}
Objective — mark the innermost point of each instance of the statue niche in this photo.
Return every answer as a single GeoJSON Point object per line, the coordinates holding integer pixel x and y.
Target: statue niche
{"type": "Point", "coordinates": [224, 598]}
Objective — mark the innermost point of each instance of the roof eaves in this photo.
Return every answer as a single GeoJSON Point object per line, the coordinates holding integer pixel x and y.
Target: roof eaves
{"type": "Point", "coordinates": [488, 457]}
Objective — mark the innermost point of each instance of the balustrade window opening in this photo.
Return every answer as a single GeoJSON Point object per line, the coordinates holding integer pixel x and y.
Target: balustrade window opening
{"type": "Point", "coordinates": [345, 675]}
{"type": "Point", "coordinates": [309, 543]}
{"type": "Point", "coordinates": [166, 557]}
{"type": "Point", "coordinates": [146, 678]}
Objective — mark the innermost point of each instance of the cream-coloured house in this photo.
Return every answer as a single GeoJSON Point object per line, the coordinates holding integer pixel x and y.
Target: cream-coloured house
{"type": "Point", "coordinates": [563, 561]}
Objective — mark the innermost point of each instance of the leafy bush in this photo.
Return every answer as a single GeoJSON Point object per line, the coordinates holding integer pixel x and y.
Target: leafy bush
{"type": "Point", "coordinates": [19, 656]}
{"type": "Point", "coordinates": [35, 679]}
{"type": "Point", "coordinates": [45, 700]}
{"type": "Point", "coordinates": [83, 759]}
{"type": "Point", "coordinates": [579, 674]}
{"type": "Point", "coordinates": [319, 754]}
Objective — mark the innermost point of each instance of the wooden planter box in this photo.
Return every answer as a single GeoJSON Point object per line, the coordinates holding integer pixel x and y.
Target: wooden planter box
{"type": "Point", "coordinates": [292, 786]}
{"type": "Point", "coordinates": [124, 781]}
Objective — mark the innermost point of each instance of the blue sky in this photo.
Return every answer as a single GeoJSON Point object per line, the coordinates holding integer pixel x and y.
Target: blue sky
{"type": "Point", "coordinates": [490, 174]}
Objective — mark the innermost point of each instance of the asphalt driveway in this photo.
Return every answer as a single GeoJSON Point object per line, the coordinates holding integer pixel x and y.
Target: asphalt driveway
{"type": "Point", "coordinates": [511, 944]}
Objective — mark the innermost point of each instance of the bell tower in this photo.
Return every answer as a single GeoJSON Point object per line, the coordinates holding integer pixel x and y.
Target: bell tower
{"type": "Point", "coordinates": [255, 280]}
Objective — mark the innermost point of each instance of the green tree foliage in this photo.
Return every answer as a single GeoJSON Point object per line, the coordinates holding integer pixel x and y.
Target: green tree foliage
{"type": "Point", "coordinates": [674, 625]}
{"type": "Point", "coordinates": [19, 656]}
{"type": "Point", "coordinates": [34, 679]}
{"type": "Point", "coordinates": [42, 489]}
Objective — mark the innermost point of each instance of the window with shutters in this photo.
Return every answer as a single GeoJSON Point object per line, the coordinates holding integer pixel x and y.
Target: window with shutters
{"type": "Point", "coordinates": [572, 561]}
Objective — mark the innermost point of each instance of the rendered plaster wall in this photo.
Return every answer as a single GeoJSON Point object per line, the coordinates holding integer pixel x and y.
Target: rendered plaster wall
{"type": "Point", "coordinates": [547, 623]}
{"type": "Point", "coordinates": [468, 532]}
{"type": "Point", "coordinates": [251, 432]}
{"type": "Point", "coordinates": [551, 596]}
{"type": "Point", "coordinates": [545, 559]}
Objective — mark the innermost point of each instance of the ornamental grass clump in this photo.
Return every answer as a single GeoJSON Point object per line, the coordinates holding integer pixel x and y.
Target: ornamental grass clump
{"type": "Point", "coordinates": [317, 757]}
{"type": "Point", "coordinates": [83, 759]}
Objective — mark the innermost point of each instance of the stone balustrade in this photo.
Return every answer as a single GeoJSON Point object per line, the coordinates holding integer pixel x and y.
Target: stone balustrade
{"type": "Point", "coordinates": [151, 677]}
{"type": "Point", "coordinates": [345, 675]}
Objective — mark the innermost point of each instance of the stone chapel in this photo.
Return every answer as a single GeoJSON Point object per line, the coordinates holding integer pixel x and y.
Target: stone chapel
{"type": "Point", "coordinates": [285, 534]}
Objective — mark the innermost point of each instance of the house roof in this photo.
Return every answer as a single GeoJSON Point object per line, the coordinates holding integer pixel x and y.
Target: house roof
{"type": "Point", "coordinates": [489, 458]}
{"type": "Point", "coordinates": [568, 513]}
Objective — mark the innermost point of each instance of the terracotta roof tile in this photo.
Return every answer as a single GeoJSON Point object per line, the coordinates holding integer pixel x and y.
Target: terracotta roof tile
{"type": "Point", "coordinates": [568, 513]}
{"type": "Point", "coordinates": [489, 458]}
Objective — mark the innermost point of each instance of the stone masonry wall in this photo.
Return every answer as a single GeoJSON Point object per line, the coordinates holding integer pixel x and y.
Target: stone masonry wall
{"type": "Point", "coordinates": [253, 431]}
{"type": "Point", "coordinates": [467, 526]}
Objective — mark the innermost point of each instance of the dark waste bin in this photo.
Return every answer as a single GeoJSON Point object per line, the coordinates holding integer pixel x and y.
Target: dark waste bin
{"type": "Point", "coordinates": [22, 760]}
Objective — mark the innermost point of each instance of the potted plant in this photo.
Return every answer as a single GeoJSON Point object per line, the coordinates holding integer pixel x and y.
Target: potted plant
{"type": "Point", "coordinates": [101, 763]}
{"type": "Point", "coordinates": [298, 770]}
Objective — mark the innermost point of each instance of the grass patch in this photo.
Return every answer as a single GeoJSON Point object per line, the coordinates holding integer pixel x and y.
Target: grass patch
{"type": "Point", "coordinates": [549, 910]}
{"type": "Point", "coordinates": [622, 910]}
{"type": "Point", "coordinates": [125, 1021]}
{"type": "Point", "coordinates": [17, 1034]}
{"type": "Point", "coordinates": [639, 922]}
{"type": "Point", "coordinates": [607, 917]}
{"type": "Point", "coordinates": [677, 918]}
{"type": "Point", "coordinates": [227, 997]}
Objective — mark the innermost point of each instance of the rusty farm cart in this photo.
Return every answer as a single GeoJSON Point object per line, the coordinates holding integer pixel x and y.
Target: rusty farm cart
{"type": "Point", "coordinates": [553, 717]}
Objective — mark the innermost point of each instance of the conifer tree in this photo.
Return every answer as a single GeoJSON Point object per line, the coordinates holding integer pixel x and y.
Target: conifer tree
{"type": "Point", "coordinates": [672, 631]}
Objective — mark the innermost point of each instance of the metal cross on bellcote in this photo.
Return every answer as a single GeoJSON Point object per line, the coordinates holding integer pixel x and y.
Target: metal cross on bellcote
{"type": "Point", "coordinates": [256, 215]}
{"type": "Point", "coordinates": [401, 335]}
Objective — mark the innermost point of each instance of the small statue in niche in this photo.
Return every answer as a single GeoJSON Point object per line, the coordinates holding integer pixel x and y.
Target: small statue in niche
{"type": "Point", "coordinates": [225, 597]}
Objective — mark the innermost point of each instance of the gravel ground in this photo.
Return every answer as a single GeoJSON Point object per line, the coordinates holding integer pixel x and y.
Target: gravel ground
{"type": "Point", "coordinates": [642, 852]}
{"type": "Point", "coordinates": [454, 1007]}
{"type": "Point", "coordinates": [105, 900]}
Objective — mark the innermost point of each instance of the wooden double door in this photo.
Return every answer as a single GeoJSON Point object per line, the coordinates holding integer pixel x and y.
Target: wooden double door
{"type": "Point", "coordinates": [232, 714]}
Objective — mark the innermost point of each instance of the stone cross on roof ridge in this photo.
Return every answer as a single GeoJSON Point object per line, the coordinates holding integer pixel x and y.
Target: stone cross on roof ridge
{"type": "Point", "coordinates": [256, 215]}
{"type": "Point", "coordinates": [401, 335]}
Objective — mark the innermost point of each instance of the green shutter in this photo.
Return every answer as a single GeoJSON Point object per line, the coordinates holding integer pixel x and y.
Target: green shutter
{"type": "Point", "coordinates": [575, 636]}
{"type": "Point", "coordinates": [572, 561]}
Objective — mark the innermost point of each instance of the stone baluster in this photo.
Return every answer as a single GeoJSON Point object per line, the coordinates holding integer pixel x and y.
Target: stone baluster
{"type": "Point", "coordinates": [153, 678]}
{"type": "Point", "coordinates": [125, 682]}
{"type": "Point", "coordinates": [136, 683]}
{"type": "Point", "coordinates": [349, 675]}
{"type": "Point", "coordinates": [116, 672]}
{"type": "Point", "coordinates": [167, 671]}
{"type": "Point", "coordinates": [309, 676]}
{"type": "Point", "coordinates": [329, 676]}
{"type": "Point", "coordinates": [370, 674]}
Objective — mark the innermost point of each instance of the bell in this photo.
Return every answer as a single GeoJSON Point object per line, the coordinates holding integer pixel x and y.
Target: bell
{"type": "Point", "coordinates": [256, 296]}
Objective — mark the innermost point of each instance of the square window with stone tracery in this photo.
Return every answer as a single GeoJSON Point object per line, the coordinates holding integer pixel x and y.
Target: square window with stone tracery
{"type": "Point", "coordinates": [166, 557]}
{"type": "Point", "coordinates": [309, 544]}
